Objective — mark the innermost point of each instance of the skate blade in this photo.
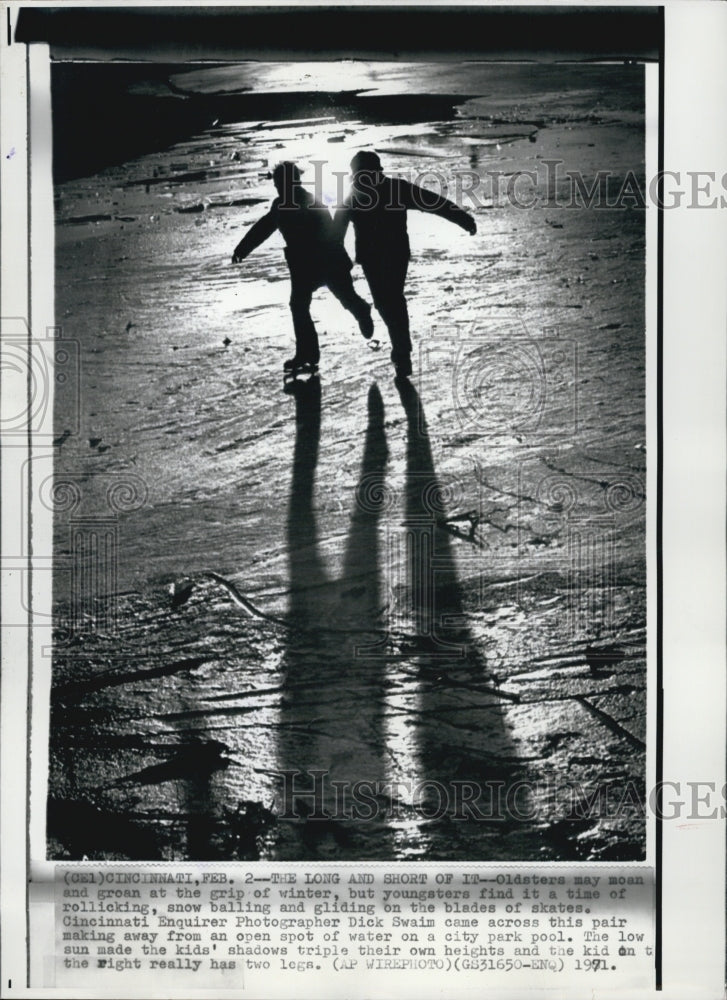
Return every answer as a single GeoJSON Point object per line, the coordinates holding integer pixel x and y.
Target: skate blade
{"type": "Point", "coordinates": [373, 344]}
{"type": "Point", "coordinates": [302, 374]}
{"type": "Point", "coordinates": [302, 386]}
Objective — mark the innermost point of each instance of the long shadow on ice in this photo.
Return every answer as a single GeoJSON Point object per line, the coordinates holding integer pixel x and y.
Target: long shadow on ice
{"type": "Point", "coordinates": [392, 739]}
{"type": "Point", "coordinates": [331, 715]}
{"type": "Point", "coordinates": [461, 760]}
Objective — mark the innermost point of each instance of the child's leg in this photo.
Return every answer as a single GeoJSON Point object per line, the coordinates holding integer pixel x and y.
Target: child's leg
{"type": "Point", "coordinates": [306, 338]}
{"type": "Point", "coordinates": [341, 284]}
{"type": "Point", "coordinates": [386, 280]}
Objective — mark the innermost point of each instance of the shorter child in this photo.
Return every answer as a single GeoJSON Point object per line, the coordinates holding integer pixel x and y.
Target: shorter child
{"type": "Point", "coordinates": [315, 258]}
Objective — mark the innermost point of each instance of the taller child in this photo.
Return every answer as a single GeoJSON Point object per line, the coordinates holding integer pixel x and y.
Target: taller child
{"type": "Point", "coordinates": [377, 207]}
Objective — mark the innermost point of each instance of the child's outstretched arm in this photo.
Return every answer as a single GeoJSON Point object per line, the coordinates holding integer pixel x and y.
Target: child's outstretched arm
{"type": "Point", "coordinates": [427, 201]}
{"type": "Point", "coordinates": [256, 234]}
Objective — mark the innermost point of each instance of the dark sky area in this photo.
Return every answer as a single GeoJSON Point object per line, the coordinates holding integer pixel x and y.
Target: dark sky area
{"type": "Point", "coordinates": [283, 32]}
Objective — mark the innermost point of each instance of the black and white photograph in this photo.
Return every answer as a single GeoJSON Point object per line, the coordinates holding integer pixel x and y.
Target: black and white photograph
{"type": "Point", "coordinates": [352, 434]}
{"type": "Point", "coordinates": [362, 448]}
